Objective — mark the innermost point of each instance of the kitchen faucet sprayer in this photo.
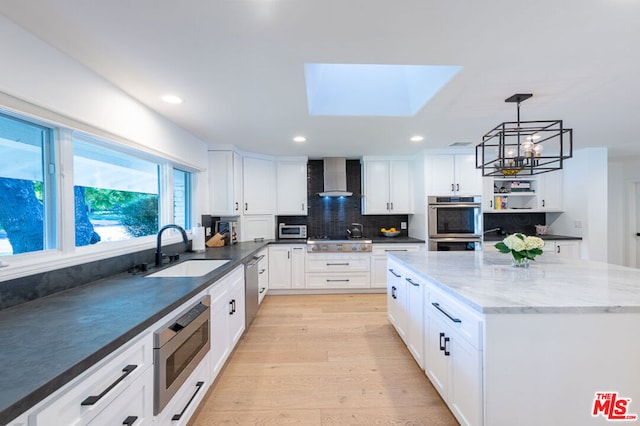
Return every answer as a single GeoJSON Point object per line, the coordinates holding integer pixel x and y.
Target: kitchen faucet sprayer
{"type": "Point", "coordinates": [185, 240]}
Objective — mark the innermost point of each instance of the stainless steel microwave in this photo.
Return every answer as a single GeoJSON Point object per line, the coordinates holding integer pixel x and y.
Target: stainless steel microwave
{"type": "Point", "coordinates": [292, 231]}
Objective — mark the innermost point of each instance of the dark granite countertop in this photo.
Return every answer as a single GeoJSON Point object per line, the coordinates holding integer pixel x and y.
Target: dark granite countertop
{"type": "Point", "coordinates": [547, 237]}
{"type": "Point", "coordinates": [49, 341]}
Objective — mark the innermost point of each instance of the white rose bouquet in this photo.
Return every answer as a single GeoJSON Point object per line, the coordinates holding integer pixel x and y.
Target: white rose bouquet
{"type": "Point", "coordinates": [520, 246]}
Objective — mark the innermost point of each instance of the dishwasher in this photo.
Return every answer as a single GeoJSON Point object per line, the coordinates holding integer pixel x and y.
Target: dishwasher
{"type": "Point", "coordinates": [251, 272]}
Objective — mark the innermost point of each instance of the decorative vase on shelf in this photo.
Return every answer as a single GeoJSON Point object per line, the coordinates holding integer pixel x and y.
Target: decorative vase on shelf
{"type": "Point", "coordinates": [520, 263]}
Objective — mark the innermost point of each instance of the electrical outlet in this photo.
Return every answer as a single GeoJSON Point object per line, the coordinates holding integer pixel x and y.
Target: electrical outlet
{"type": "Point", "coordinates": [578, 224]}
{"type": "Point", "coordinates": [403, 225]}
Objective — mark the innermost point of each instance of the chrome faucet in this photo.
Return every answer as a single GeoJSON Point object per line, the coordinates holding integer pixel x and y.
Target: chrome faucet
{"type": "Point", "coordinates": [159, 255]}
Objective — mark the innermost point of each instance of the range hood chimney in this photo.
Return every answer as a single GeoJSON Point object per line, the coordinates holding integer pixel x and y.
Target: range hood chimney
{"type": "Point", "coordinates": [335, 178]}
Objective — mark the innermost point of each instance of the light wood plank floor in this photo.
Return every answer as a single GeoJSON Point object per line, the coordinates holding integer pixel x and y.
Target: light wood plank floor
{"type": "Point", "coordinates": [322, 360]}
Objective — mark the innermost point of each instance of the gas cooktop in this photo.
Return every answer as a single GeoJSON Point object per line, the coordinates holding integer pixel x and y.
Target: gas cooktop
{"type": "Point", "coordinates": [326, 244]}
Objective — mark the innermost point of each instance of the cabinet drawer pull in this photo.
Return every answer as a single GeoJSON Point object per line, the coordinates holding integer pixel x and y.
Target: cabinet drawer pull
{"type": "Point", "coordinates": [262, 271]}
{"type": "Point", "coordinates": [338, 264]}
{"type": "Point", "coordinates": [179, 416]}
{"type": "Point", "coordinates": [130, 420]}
{"type": "Point", "coordinates": [395, 250]}
{"type": "Point", "coordinates": [446, 350]}
{"type": "Point", "coordinates": [90, 400]}
{"type": "Point", "coordinates": [337, 281]}
{"type": "Point", "coordinates": [394, 274]}
{"type": "Point", "coordinates": [262, 290]}
{"type": "Point", "coordinates": [412, 283]}
{"type": "Point", "coordinates": [441, 343]}
{"type": "Point", "coordinates": [451, 317]}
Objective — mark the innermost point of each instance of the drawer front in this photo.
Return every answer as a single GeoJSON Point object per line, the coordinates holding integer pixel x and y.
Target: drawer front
{"type": "Point", "coordinates": [133, 407]}
{"type": "Point", "coordinates": [461, 318]}
{"type": "Point", "coordinates": [67, 406]}
{"type": "Point", "coordinates": [338, 280]}
{"type": "Point", "coordinates": [381, 249]}
{"type": "Point", "coordinates": [338, 262]}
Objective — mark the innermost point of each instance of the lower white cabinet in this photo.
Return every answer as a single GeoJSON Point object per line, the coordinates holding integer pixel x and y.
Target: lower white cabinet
{"type": "Point", "coordinates": [287, 266]}
{"type": "Point", "coordinates": [562, 248]}
{"type": "Point", "coordinates": [338, 270]}
{"type": "Point", "coordinates": [117, 389]}
{"type": "Point", "coordinates": [396, 299]}
{"type": "Point", "coordinates": [263, 274]}
{"type": "Point", "coordinates": [227, 317]}
{"type": "Point", "coordinates": [453, 360]}
{"type": "Point", "coordinates": [379, 260]}
{"type": "Point", "coordinates": [184, 403]}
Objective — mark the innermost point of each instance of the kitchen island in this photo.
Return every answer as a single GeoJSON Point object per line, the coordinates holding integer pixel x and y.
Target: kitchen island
{"type": "Point", "coordinates": [532, 346]}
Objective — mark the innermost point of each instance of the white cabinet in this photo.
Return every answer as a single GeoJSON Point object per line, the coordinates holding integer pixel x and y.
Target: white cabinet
{"type": "Point", "coordinates": [338, 270]}
{"type": "Point", "coordinates": [263, 274]}
{"type": "Point", "coordinates": [379, 260]}
{"type": "Point", "coordinates": [185, 402]}
{"type": "Point", "coordinates": [225, 183]}
{"type": "Point", "coordinates": [396, 299]}
{"type": "Point", "coordinates": [562, 248]}
{"type": "Point", "coordinates": [291, 190]}
{"type": "Point", "coordinates": [387, 187]}
{"type": "Point", "coordinates": [257, 226]}
{"type": "Point", "coordinates": [287, 266]}
{"type": "Point", "coordinates": [227, 317]}
{"type": "Point", "coordinates": [539, 193]}
{"type": "Point", "coordinates": [258, 186]}
{"type": "Point", "coordinates": [119, 387]}
{"type": "Point", "coordinates": [453, 175]}
{"type": "Point", "coordinates": [453, 360]}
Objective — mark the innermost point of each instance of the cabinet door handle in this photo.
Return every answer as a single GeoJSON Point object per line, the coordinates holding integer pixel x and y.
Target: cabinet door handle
{"type": "Point", "coordinates": [90, 400]}
{"type": "Point", "coordinates": [237, 206]}
{"type": "Point", "coordinates": [543, 203]}
{"type": "Point", "coordinates": [451, 317]}
{"type": "Point", "coordinates": [441, 343]}
{"type": "Point", "coordinates": [452, 186]}
{"type": "Point", "coordinates": [262, 290]}
{"type": "Point", "coordinates": [458, 187]}
{"type": "Point", "coordinates": [177, 417]}
{"type": "Point", "coordinates": [130, 420]}
{"type": "Point", "coordinates": [338, 264]}
{"type": "Point", "coordinates": [491, 203]}
{"type": "Point", "coordinates": [558, 249]}
{"type": "Point", "coordinates": [393, 292]}
{"type": "Point", "coordinates": [412, 283]}
{"type": "Point", "coordinates": [302, 207]}
{"type": "Point", "coordinates": [246, 206]}
{"type": "Point", "coordinates": [387, 206]}
{"type": "Point", "coordinates": [231, 307]}
{"type": "Point", "coordinates": [446, 350]}
{"type": "Point", "coordinates": [262, 271]}
{"type": "Point", "coordinates": [391, 205]}
{"type": "Point", "coordinates": [394, 274]}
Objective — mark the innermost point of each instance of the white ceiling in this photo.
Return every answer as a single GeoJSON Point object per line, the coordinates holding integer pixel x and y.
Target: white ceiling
{"type": "Point", "coordinates": [239, 65]}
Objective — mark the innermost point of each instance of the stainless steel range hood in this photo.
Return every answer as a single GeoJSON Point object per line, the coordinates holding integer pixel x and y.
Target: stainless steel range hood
{"type": "Point", "coordinates": [335, 178]}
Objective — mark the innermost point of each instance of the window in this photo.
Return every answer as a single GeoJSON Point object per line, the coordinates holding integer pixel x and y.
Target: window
{"type": "Point", "coordinates": [115, 194]}
{"type": "Point", "coordinates": [27, 187]}
{"type": "Point", "coordinates": [182, 198]}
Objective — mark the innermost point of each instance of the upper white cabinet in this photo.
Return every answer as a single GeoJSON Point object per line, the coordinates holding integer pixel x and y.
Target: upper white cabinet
{"type": "Point", "coordinates": [291, 191]}
{"type": "Point", "coordinates": [538, 193]}
{"type": "Point", "coordinates": [387, 187]}
{"type": "Point", "coordinates": [225, 183]}
{"type": "Point", "coordinates": [453, 175]}
{"type": "Point", "coordinates": [258, 186]}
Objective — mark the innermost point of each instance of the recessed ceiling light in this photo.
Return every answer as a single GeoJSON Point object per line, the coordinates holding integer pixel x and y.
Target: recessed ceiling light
{"type": "Point", "coordinates": [417, 138]}
{"type": "Point", "coordinates": [172, 99]}
{"type": "Point", "coordinates": [299, 139]}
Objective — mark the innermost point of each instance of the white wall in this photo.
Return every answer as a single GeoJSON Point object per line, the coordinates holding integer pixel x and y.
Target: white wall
{"type": "Point", "coordinates": [624, 173]}
{"type": "Point", "coordinates": [586, 202]}
{"type": "Point", "coordinates": [39, 74]}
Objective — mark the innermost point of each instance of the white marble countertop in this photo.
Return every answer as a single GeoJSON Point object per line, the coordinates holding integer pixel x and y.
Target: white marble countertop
{"type": "Point", "coordinates": [486, 281]}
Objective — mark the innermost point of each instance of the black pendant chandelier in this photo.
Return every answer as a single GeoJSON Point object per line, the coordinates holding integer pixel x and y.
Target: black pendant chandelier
{"type": "Point", "coordinates": [524, 148]}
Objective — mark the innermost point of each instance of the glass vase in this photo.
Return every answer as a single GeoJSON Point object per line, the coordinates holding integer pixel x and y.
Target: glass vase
{"type": "Point", "coordinates": [520, 263]}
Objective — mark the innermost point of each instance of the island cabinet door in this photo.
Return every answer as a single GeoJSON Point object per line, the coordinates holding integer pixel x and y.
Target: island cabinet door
{"type": "Point", "coordinates": [465, 382]}
{"type": "Point", "coordinates": [437, 364]}
{"type": "Point", "coordinates": [396, 297]}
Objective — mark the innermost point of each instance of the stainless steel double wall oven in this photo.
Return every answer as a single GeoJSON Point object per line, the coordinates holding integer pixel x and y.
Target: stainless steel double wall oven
{"type": "Point", "coordinates": [455, 223]}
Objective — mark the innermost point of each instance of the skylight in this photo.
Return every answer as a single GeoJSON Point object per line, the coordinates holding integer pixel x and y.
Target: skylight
{"type": "Point", "coordinates": [372, 89]}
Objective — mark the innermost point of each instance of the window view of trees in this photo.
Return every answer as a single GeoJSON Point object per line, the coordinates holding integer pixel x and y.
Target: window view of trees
{"type": "Point", "coordinates": [115, 193]}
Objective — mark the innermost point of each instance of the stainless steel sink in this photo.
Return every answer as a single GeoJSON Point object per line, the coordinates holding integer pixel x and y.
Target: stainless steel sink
{"type": "Point", "coordinates": [189, 268]}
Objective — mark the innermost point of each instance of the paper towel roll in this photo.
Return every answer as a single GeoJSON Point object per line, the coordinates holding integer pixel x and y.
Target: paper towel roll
{"type": "Point", "coordinates": [197, 241]}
